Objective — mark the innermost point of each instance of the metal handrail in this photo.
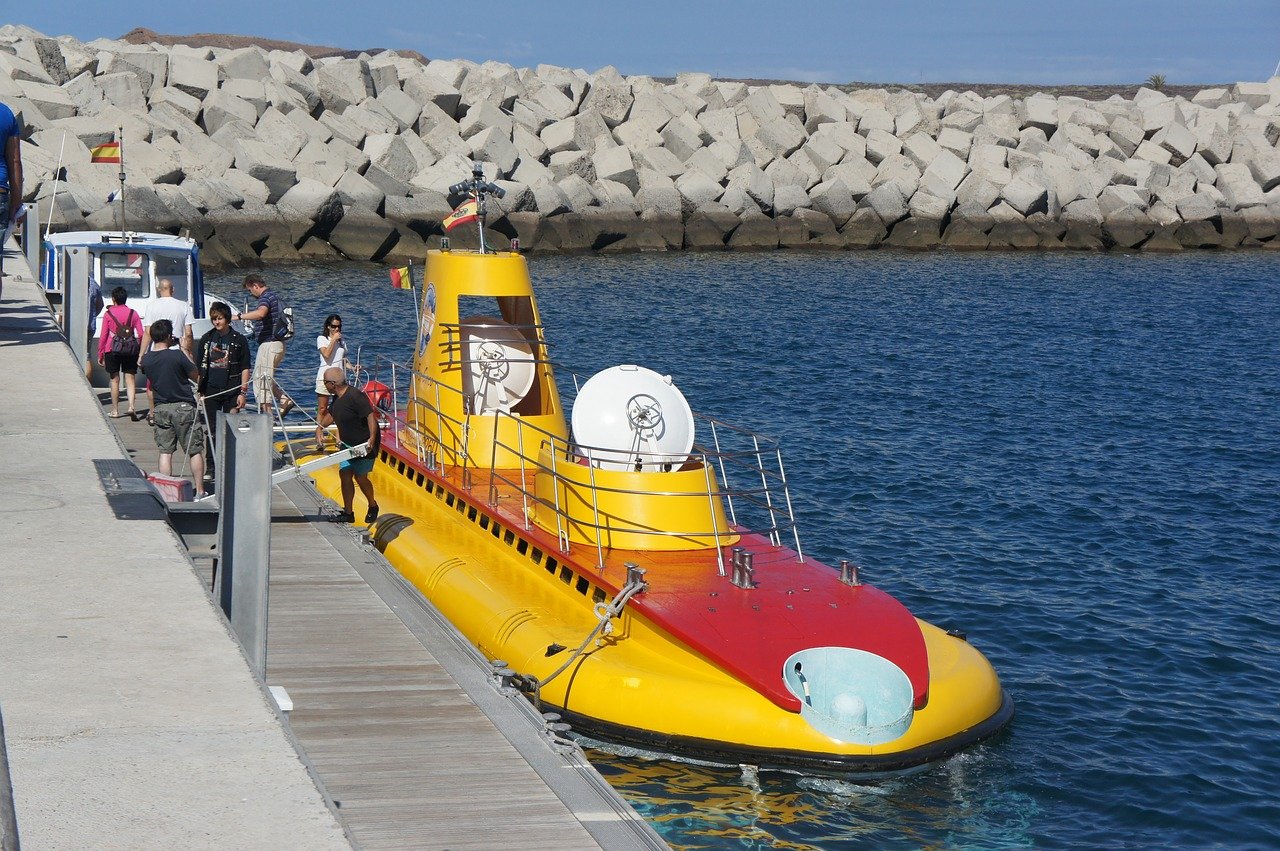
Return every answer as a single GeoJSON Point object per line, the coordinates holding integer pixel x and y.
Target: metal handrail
{"type": "Point", "coordinates": [770, 496]}
{"type": "Point", "coordinates": [597, 488]}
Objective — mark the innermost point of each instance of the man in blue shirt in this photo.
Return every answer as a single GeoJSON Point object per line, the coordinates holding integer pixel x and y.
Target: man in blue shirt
{"type": "Point", "coordinates": [267, 322]}
{"type": "Point", "coordinates": [10, 171]}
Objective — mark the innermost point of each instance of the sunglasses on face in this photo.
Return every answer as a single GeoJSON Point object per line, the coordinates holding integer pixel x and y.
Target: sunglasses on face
{"type": "Point", "coordinates": [339, 325]}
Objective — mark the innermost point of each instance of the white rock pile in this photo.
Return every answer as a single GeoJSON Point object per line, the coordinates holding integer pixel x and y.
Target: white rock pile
{"type": "Point", "coordinates": [269, 156]}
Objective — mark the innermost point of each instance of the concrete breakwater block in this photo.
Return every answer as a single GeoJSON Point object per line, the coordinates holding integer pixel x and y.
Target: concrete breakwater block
{"type": "Point", "coordinates": [271, 154]}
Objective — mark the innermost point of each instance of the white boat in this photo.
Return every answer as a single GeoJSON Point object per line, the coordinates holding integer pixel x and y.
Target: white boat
{"type": "Point", "coordinates": [135, 261]}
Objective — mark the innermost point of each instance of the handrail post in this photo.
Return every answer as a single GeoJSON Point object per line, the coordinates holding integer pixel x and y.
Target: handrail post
{"type": "Point", "coordinates": [724, 476]}
{"type": "Point", "coordinates": [395, 395]}
{"type": "Point", "coordinates": [715, 527]}
{"type": "Point", "coordinates": [595, 511]}
{"type": "Point", "coordinates": [768, 497]}
{"type": "Point", "coordinates": [493, 460]}
{"type": "Point", "coordinates": [466, 455]}
{"type": "Point", "coordinates": [561, 514]}
{"type": "Point", "coordinates": [439, 427]}
{"type": "Point", "coordinates": [786, 493]}
{"type": "Point", "coordinates": [524, 487]}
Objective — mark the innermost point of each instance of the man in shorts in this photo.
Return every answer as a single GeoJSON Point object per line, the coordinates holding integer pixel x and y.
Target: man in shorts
{"type": "Point", "coordinates": [177, 423]}
{"type": "Point", "coordinates": [266, 322]}
{"type": "Point", "coordinates": [357, 423]}
{"type": "Point", "coordinates": [178, 314]}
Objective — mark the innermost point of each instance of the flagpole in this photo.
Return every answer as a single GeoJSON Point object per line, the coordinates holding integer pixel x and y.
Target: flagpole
{"type": "Point", "coordinates": [416, 306]}
{"type": "Point", "coordinates": [417, 343]}
{"type": "Point", "coordinates": [57, 174]}
{"type": "Point", "coordinates": [124, 222]}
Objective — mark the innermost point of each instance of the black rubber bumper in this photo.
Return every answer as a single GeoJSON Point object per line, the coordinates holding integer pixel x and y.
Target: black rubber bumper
{"type": "Point", "coordinates": [805, 762]}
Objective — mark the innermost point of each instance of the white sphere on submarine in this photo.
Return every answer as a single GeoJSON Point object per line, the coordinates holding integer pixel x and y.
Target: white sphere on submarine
{"type": "Point", "coordinates": [850, 709]}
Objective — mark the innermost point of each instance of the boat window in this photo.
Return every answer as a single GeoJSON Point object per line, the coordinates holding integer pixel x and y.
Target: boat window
{"type": "Point", "coordinates": [176, 268]}
{"type": "Point", "coordinates": [514, 310]}
{"type": "Point", "coordinates": [518, 312]}
{"type": "Point", "coordinates": [125, 269]}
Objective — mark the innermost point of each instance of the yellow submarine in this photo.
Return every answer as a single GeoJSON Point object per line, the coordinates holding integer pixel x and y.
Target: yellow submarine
{"type": "Point", "coordinates": [646, 582]}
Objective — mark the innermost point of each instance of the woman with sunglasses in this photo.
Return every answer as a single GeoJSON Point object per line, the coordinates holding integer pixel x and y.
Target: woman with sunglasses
{"type": "Point", "coordinates": [333, 352]}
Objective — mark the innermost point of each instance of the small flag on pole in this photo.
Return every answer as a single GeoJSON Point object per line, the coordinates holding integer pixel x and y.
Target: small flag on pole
{"type": "Point", "coordinates": [108, 153]}
{"type": "Point", "coordinates": [400, 278]}
{"type": "Point", "coordinates": [467, 212]}
{"type": "Point", "coordinates": [115, 193]}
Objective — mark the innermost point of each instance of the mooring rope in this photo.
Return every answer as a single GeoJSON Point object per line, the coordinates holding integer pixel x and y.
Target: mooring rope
{"type": "Point", "coordinates": [604, 617]}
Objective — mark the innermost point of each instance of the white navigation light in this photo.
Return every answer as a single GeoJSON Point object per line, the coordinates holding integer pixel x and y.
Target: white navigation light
{"type": "Point", "coordinates": [498, 368]}
{"type": "Point", "coordinates": [631, 418]}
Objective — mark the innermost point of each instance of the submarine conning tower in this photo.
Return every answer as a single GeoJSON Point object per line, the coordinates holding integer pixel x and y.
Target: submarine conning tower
{"type": "Point", "coordinates": [485, 399]}
{"type": "Point", "coordinates": [481, 372]}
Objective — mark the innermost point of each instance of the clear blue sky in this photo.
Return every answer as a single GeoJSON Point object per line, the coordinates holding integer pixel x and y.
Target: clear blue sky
{"type": "Point", "coordinates": [906, 41]}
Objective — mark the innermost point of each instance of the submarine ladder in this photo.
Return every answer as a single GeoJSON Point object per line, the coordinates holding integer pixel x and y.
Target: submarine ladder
{"type": "Point", "coordinates": [294, 471]}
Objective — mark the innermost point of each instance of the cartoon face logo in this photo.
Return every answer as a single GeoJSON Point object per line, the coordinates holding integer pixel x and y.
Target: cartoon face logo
{"type": "Point", "coordinates": [428, 317]}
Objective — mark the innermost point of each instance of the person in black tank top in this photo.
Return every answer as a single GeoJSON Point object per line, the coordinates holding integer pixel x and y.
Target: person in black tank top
{"type": "Point", "coordinates": [357, 423]}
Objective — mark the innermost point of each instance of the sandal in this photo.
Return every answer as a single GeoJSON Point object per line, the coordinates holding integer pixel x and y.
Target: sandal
{"type": "Point", "coordinates": [151, 418]}
{"type": "Point", "coordinates": [287, 406]}
{"type": "Point", "coordinates": [115, 415]}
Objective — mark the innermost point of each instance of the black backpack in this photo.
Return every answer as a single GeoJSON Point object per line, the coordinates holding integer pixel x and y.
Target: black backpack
{"type": "Point", "coordinates": [282, 321]}
{"type": "Point", "coordinates": [123, 340]}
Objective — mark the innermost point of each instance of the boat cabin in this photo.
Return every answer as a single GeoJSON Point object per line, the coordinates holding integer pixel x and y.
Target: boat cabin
{"type": "Point", "coordinates": [135, 261]}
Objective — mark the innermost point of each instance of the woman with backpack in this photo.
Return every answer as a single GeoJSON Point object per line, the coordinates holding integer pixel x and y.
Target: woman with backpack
{"type": "Point", "coordinates": [118, 349]}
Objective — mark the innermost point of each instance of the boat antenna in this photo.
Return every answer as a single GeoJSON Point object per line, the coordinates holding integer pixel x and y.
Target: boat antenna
{"type": "Point", "coordinates": [124, 222]}
{"type": "Point", "coordinates": [478, 188]}
{"type": "Point", "coordinates": [57, 176]}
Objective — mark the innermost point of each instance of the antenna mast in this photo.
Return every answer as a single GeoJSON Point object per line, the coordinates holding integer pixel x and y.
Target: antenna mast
{"type": "Point", "coordinates": [479, 189]}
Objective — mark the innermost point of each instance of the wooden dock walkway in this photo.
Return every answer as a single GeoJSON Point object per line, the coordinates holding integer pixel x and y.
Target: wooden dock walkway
{"type": "Point", "coordinates": [394, 711]}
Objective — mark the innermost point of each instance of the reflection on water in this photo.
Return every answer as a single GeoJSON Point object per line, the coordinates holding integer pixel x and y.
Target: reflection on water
{"type": "Point", "coordinates": [959, 803]}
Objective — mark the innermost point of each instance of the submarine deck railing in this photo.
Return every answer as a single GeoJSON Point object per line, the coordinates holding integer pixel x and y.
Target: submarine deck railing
{"type": "Point", "coordinates": [770, 500]}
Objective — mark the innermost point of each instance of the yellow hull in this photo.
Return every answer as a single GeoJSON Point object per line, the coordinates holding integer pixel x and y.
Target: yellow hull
{"type": "Point", "coordinates": [640, 684]}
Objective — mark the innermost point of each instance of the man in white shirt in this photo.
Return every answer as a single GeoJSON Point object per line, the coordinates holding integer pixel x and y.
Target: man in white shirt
{"type": "Point", "coordinates": [165, 306]}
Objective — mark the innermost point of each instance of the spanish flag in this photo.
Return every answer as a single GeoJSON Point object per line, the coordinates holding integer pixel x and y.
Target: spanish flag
{"type": "Point", "coordinates": [108, 153]}
{"type": "Point", "coordinates": [400, 278]}
{"type": "Point", "coordinates": [467, 212]}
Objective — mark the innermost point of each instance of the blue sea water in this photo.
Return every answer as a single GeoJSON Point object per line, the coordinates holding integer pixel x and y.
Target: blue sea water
{"type": "Point", "coordinates": [1073, 458]}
